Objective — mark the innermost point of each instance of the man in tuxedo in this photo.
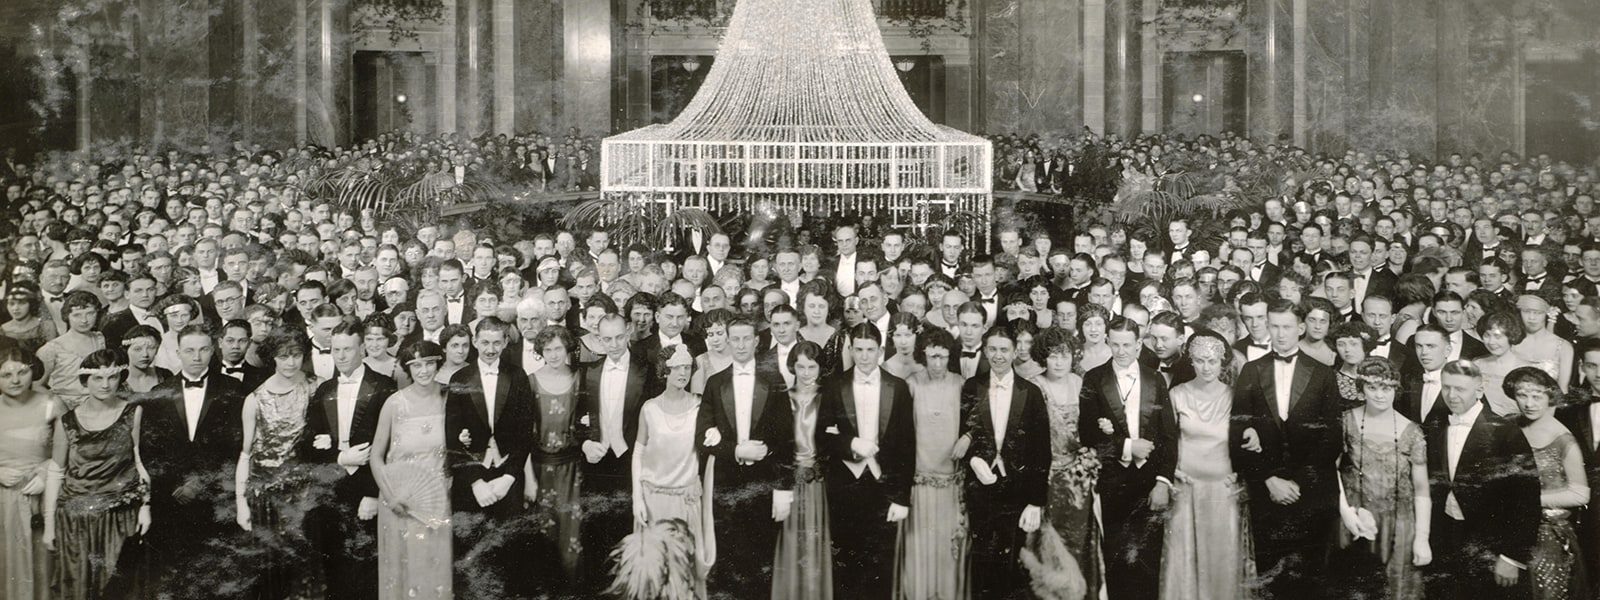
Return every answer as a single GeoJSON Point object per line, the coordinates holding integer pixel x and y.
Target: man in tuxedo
{"type": "Point", "coordinates": [141, 299]}
{"type": "Point", "coordinates": [1005, 441]}
{"type": "Point", "coordinates": [746, 431]}
{"type": "Point", "coordinates": [672, 323]}
{"type": "Point", "coordinates": [1369, 279]}
{"type": "Point", "coordinates": [866, 444]}
{"type": "Point", "coordinates": [1257, 342]}
{"type": "Point", "coordinates": [1581, 415]}
{"type": "Point", "coordinates": [988, 290]}
{"type": "Point", "coordinates": [340, 422]}
{"type": "Point", "coordinates": [1377, 311]}
{"type": "Point", "coordinates": [1449, 312]}
{"type": "Point", "coordinates": [970, 331]}
{"type": "Point", "coordinates": [190, 439]}
{"type": "Point", "coordinates": [232, 346]}
{"type": "Point", "coordinates": [488, 421]}
{"type": "Point", "coordinates": [950, 248]}
{"type": "Point", "coordinates": [842, 272]}
{"type": "Point", "coordinates": [784, 324]}
{"type": "Point", "coordinates": [1484, 486]}
{"type": "Point", "coordinates": [452, 283]}
{"type": "Point", "coordinates": [612, 392]}
{"type": "Point", "coordinates": [1164, 354]}
{"type": "Point", "coordinates": [1285, 436]}
{"type": "Point", "coordinates": [1178, 234]}
{"type": "Point", "coordinates": [1128, 419]}
{"type": "Point", "coordinates": [1261, 270]}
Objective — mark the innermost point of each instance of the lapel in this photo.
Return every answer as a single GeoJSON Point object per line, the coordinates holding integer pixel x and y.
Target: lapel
{"type": "Point", "coordinates": [847, 394]}
{"type": "Point", "coordinates": [758, 403]}
{"type": "Point", "coordinates": [330, 408]}
{"type": "Point", "coordinates": [502, 394]}
{"type": "Point", "coordinates": [1302, 378]}
{"type": "Point", "coordinates": [1148, 393]}
{"type": "Point", "coordinates": [730, 405]}
{"type": "Point", "coordinates": [205, 404]}
{"type": "Point", "coordinates": [1476, 444]}
{"type": "Point", "coordinates": [1269, 388]}
{"type": "Point", "coordinates": [1111, 388]}
{"type": "Point", "coordinates": [1014, 413]}
{"type": "Point", "coordinates": [632, 395]}
{"type": "Point", "coordinates": [475, 391]}
{"type": "Point", "coordinates": [885, 403]}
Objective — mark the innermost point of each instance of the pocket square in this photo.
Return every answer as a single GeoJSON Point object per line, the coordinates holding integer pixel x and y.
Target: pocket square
{"type": "Point", "coordinates": [833, 429]}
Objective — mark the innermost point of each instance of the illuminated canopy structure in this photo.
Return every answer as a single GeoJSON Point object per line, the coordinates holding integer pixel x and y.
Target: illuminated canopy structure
{"type": "Point", "coordinates": [803, 110]}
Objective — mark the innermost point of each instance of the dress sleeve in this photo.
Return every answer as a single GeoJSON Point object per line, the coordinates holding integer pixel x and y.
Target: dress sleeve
{"type": "Point", "coordinates": [1414, 445]}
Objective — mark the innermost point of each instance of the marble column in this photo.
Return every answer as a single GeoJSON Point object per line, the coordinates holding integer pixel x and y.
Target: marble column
{"type": "Point", "coordinates": [445, 80]}
{"type": "Point", "coordinates": [1124, 49]}
{"type": "Point", "coordinates": [1094, 65]}
{"type": "Point", "coordinates": [1049, 47]}
{"type": "Point", "coordinates": [538, 63]}
{"type": "Point", "coordinates": [1271, 77]}
{"type": "Point", "coordinates": [1451, 30]}
{"type": "Point", "coordinates": [301, 77]}
{"type": "Point", "coordinates": [586, 100]}
{"type": "Point", "coordinates": [470, 38]}
{"type": "Point", "coordinates": [505, 71]}
{"type": "Point", "coordinates": [1300, 44]}
{"type": "Point", "coordinates": [174, 71]}
{"type": "Point", "coordinates": [385, 91]}
{"type": "Point", "coordinates": [959, 97]}
{"type": "Point", "coordinates": [1150, 66]}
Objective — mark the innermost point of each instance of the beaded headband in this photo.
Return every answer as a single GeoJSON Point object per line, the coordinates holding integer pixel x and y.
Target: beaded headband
{"type": "Point", "coordinates": [102, 370]}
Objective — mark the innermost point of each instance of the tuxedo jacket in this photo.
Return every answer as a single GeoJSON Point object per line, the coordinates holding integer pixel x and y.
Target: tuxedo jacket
{"type": "Point", "coordinates": [322, 418]}
{"type": "Point", "coordinates": [1575, 415]}
{"type": "Point", "coordinates": [650, 346]}
{"type": "Point", "coordinates": [771, 422]}
{"type": "Point", "coordinates": [1101, 398]}
{"type": "Point", "coordinates": [467, 432]}
{"type": "Point", "coordinates": [1301, 448]}
{"type": "Point", "coordinates": [838, 423]}
{"type": "Point", "coordinates": [171, 457]}
{"type": "Point", "coordinates": [1496, 484]}
{"type": "Point", "coordinates": [1269, 274]}
{"type": "Point", "coordinates": [1026, 452]}
{"type": "Point", "coordinates": [1381, 282]}
{"type": "Point", "coordinates": [1181, 370]}
{"type": "Point", "coordinates": [117, 325]}
{"type": "Point", "coordinates": [1409, 400]}
{"type": "Point", "coordinates": [640, 387]}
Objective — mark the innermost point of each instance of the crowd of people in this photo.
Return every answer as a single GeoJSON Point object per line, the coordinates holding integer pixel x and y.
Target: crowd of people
{"type": "Point", "coordinates": [1379, 384]}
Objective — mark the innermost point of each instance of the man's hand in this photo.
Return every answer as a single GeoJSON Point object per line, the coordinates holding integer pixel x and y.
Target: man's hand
{"type": "Point", "coordinates": [1160, 496]}
{"type": "Point", "coordinates": [1142, 449]}
{"type": "Point", "coordinates": [1505, 573]}
{"type": "Point", "coordinates": [356, 455]}
{"type": "Point", "coordinates": [1421, 552]}
{"type": "Point", "coordinates": [960, 449]}
{"type": "Point", "coordinates": [981, 469]}
{"type": "Point", "coordinates": [482, 493]}
{"type": "Point", "coordinates": [501, 486]}
{"type": "Point", "coordinates": [898, 513]}
{"type": "Point", "coordinates": [368, 509]}
{"type": "Point", "coordinates": [1030, 519]}
{"type": "Point", "coordinates": [713, 437]}
{"type": "Point", "coordinates": [750, 451]}
{"type": "Point", "coordinates": [782, 503]}
{"type": "Point", "coordinates": [1252, 441]}
{"type": "Point", "coordinates": [593, 451]}
{"type": "Point", "coordinates": [863, 448]}
{"type": "Point", "coordinates": [1283, 491]}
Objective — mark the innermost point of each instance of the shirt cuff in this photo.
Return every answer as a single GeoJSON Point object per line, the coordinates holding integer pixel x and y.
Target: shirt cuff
{"type": "Point", "coordinates": [1127, 450]}
{"type": "Point", "coordinates": [1513, 563]}
{"type": "Point", "coordinates": [786, 496]}
{"type": "Point", "coordinates": [1164, 481]}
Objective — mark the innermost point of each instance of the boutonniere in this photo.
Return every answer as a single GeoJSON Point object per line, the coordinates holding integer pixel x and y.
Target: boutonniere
{"type": "Point", "coordinates": [584, 420]}
{"type": "Point", "coordinates": [1105, 425]}
{"type": "Point", "coordinates": [322, 442]}
{"type": "Point", "coordinates": [465, 437]}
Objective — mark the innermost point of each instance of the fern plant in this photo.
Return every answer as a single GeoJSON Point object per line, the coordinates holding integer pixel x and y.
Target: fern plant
{"type": "Point", "coordinates": [629, 221]}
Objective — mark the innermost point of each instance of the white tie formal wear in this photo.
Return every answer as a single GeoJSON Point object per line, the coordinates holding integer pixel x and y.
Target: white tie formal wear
{"type": "Point", "coordinates": [1430, 393]}
{"type": "Point", "coordinates": [345, 400]}
{"type": "Point", "coordinates": [865, 387]}
{"type": "Point", "coordinates": [1000, 394]}
{"type": "Point", "coordinates": [613, 383]}
{"type": "Point", "coordinates": [490, 376]}
{"type": "Point", "coordinates": [845, 278]}
{"type": "Point", "coordinates": [1128, 383]}
{"type": "Point", "coordinates": [744, 392]}
{"type": "Point", "coordinates": [1455, 440]}
{"type": "Point", "coordinates": [194, 399]}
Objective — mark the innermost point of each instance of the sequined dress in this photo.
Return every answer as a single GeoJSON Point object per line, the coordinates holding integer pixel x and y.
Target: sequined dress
{"type": "Point", "coordinates": [280, 494]}
{"type": "Point", "coordinates": [99, 505]}
{"type": "Point", "coordinates": [1376, 471]}
{"type": "Point", "coordinates": [1070, 513]}
{"type": "Point", "coordinates": [556, 459]}
{"type": "Point", "coordinates": [1557, 572]}
{"type": "Point", "coordinates": [414, 559]}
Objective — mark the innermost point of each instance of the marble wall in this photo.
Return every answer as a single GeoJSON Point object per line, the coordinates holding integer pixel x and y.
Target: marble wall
{"type": "Point", "coordinates": [1032, 66]}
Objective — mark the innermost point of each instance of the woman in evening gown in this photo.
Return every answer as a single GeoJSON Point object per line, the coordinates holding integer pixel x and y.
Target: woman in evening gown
{"type": "Point", "coordinates": [552, 469]}
{"type": "Point", "coordinates": [26, 419]}
{"type": "Point", "coordinates": [817, 308]}
{"type": "Point", "coordinates": [1073, 530]}
{"type": "Point", "coordinates": [666, 466]}
{"type": "Point", "coordinates": [61, 356]}
{"type": "Point", "coordinates": [803, 565]}
{"type": "Point", "coordinates": [274, 488]}
{"type": "Point", "coordinates": [98, 499]}
{"type": "Point", "coordinates": [1207, 549]}
{"type": "Point", "coordinates": [717, 356]}
{"type": "Point", "coordinates": [1384, 477]}
{"type": "Point", "coordinates": [932, 557]}
{"type": "Point", "coordinates": [414, 559]}
{"type": "Point", "coordinates": [1557, 569]}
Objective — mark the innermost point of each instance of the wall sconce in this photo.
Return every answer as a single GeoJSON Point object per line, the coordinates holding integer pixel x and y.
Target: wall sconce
{"type": "Point", "coordinates": [400, 98]}
{"type": "Point", "coordinates": [905, 65]}
{"type": "Point", "coordinates": [691, 64]}
{"type": "Point", "coordinates": [1198, 98]}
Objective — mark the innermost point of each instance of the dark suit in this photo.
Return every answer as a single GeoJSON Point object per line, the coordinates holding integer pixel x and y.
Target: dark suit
{"type": "Point", "coordinates": [1575, 415]}
{"type": "Point", "coordinates": [607, 484]}
{"type": "Point", "coordinates": [191, 481]}
{"type": "Point", "coordinates": [1177, 370]}
{"type": "Point", "coordinates": [1409, 400]}
{"type": "Point", "coordinates": [993, 511]}
{"type": "Point", "coordinates": [1269, 273]}
{"type": "Point", "coordinates": [1496, 484]}
{"type": "Point", "coordinates": [348, 545]}
{"type": "Point", "coordinates": [650, 346]}
{"type": "Point", "coordinates": [742, 499]}
{"type": "Point", "coordinates": [1291, 539]}
{"type": "Point", "coordinates": [118, 324]}
{"type": "Point", "coordinates": [249, 376]}
{"type": "Point", "coordinates": [1133, 541]}
{"type": "Point", "coordinates": [863, 564]}
{"type": "Point", "coordinates": [481, 529]}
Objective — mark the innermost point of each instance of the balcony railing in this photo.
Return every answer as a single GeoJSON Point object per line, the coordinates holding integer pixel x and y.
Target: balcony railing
{"type": "Point", "coordinates": [717, 11]}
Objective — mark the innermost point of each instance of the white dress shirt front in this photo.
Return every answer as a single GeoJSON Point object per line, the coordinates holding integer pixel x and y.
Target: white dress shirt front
{"type": "Point", "coordinates": [865, 387]}
{"type": "Point", "coordinates": [613, 388]}
{"type": "Point", "coordinates": [490, 376]}
{"type": "Point", "coordinates": [1283, 380]}
{"type": "Point", "coordinates": [194, 400]}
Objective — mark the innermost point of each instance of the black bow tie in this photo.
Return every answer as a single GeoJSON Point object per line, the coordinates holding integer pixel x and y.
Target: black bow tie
{"type": "Point", "coordinates": [1382, 341]}
{"type": "Point", "coordinates": [233, 370]}
{"type": "Point", "coordinates": [1164, 368]}
{"type": "Point", "coordinates": [969, 354]}
{"type": "Point", "coordinates": [1285, 358]}
{"type": "Point", "coordinates": [989, 300]}
{"type": "Point", "coordinates": [194, 383]}
{"type": "Point", "coordinates": [324, 351]}
{"type": "Point", "coordinates": [1262, 345]}
{"type": "Point", "coordinates": [54, 299]}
